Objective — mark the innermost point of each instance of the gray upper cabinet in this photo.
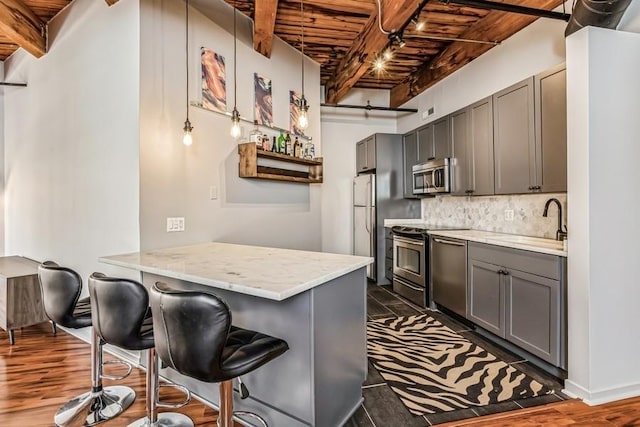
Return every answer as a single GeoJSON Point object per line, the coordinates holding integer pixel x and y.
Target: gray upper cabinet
{"type": "Point", "coordinates": [530, 141]}
{"type": "Point", "coordinates": [366, 155]}
{"type": "Point", "coordinates": [519, 296]}
{"type": "Point", "coordinates": [433, 141]}
{"type": "Point", "coordinates": [472, 149]}
{"type": "Point", "coordinates": [514, 138]}
{"type": "Point", "coordinates": [410, 158]}
{"type": "Point", "coordinates": [551, 130]}
{"type": "Point", "coordinates": [461, 152]}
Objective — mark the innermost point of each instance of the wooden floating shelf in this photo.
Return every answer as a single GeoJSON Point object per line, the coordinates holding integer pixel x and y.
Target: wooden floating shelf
{"type": "Point", "coordinates": [249, 167]}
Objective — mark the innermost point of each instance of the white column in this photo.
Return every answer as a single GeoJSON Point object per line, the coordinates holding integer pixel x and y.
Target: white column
{"type": "Point", "coordinates": [603, 90]}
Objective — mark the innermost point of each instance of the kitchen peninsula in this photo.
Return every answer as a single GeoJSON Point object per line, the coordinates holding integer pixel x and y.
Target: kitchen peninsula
{"type": "Point", "coordinates": [314, 301]}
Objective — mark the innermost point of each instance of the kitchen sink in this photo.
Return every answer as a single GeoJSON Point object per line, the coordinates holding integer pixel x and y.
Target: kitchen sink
{"type": "Point", "coordinates": [532, 241]}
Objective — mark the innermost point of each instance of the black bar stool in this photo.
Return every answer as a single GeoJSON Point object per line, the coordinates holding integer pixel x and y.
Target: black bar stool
{"type": "Point", "coordinates": [195, 337]}
{"type": "Point", "coordinates": [122, 317]}
{"type": "Point", "coordinates": [61, 289]}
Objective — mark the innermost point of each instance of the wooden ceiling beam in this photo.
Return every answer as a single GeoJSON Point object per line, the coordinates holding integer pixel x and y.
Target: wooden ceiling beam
{"type": "Point", "coordinates": [111, 2]}
{"type": "Point", "coordinates": [22, 26]}
{"type": "Point", "coordinates": [264, 23]}
{"type": "Point", "coordinates": [496, 25]}
{"type": "Point", "coordinates": [367, 45]}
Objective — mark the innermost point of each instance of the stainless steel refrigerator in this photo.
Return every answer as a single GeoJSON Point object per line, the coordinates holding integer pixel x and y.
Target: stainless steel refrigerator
{"type": "Point", "coordinates": [379, 195]}
{"type": "Point", "coordinates": [364, 219]}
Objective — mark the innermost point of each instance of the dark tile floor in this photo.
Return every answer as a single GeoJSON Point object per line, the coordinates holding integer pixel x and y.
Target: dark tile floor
{"type": "Point", "coordinates": [382, 408]}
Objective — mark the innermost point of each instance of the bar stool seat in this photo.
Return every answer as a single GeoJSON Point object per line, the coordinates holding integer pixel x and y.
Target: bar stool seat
{"type": "Point", "coordinates": [195, 337]}
{"type": "Point", "coordinates": [122, 317]}
{"type": "Point", "coordinates": [61, 288]}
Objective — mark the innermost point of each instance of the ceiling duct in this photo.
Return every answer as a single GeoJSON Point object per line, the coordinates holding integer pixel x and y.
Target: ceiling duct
{"type": "Point", "coordinates": [596, 13]}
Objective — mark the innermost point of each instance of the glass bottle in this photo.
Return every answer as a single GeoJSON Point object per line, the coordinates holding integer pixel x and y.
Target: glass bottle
{"type": "Point", "coordinates": [307, 150]}
{"type": "Point", "coordinates": [280, 145]}
{"type": "Point", "coordinates": [288, 146]}
{"type": "Point", "coordinates": [255, 135]}
{"type": "Point", "coordinates": [297, 152]}
{"type": "Point", "coordinates": [274, 145]}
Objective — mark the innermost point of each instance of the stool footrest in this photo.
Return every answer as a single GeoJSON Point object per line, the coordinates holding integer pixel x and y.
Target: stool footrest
{"type": "Point", "coordinates": [116, 362]}
{"type": "Point", "coordinates": [250, 415]}
{"type": "Point", "coordinates": [175, 405]}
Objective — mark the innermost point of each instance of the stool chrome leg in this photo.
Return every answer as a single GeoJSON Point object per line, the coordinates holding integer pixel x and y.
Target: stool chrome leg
{"type": "Point", "coordinates": [12, 337]}
{"type": "Point", "coordinates": [98, 405]}
{"type": "Point", "coordinates": [225, 416]}
{"type": "Point", "coordinates": [153, 418]}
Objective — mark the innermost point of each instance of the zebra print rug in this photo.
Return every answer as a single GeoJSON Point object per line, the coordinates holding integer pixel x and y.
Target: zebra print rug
{"type": "Point", "coordinates": [433, 369]}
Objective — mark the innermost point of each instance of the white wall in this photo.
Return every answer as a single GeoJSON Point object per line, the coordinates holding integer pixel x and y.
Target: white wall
{"type": "Point", "coordinates": [536, 48]}
{"type": "Point", "coordinates": [341, 130]}
{"type": "Point", "coordinates": [175, 180]}
{"type": "Point", "coordinates": [603, 111]}
{"type": "Point", "coordinates": [71, 140]}
{"type": "Point", "coordinates": [2, 161]}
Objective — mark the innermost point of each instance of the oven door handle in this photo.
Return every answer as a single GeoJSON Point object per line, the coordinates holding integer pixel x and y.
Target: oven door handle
{"type": "Point", "coordinates": [408, 241]}
{"type": "Point", "coordinates": [408, 285]}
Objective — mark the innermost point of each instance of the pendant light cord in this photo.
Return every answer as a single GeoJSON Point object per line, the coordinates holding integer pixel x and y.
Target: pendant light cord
{"type": "Point", "coordinates": [235, 61]}
{"type": "Point", "coordinates": [302, 39]}
{"type": "Point", "coordinates": [186, 50]}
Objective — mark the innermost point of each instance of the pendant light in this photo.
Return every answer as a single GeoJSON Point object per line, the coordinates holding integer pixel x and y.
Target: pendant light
{"type": "Point", "coordinates": [235, 115]}
{"type": "Point", "coordinates": [186, 138]}
{"type": "Point", "coordinates": [303, 118]}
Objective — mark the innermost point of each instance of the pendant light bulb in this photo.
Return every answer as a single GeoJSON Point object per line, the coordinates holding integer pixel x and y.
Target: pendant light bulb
{"type": "Point", "coordinates": [187, 139]}
{"type": "Point", "coordinates": [303, 118]}
{"type": "Point", "coordinates": [235, 124]}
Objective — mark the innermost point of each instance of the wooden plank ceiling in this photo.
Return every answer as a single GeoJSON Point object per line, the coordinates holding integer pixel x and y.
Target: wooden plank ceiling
{"type": "Point", "coordinates": [23, 24]}
{"type": "Point", "coordinates": [343, 37]}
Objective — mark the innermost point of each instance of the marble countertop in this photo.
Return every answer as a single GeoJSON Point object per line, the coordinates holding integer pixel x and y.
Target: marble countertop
{"type": "Point", "coordinates": [527, 243]}
{"type": "Point", "coordinates": [270, 273]}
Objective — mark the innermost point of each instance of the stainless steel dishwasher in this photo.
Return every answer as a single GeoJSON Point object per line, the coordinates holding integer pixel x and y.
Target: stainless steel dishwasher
{"type": "Point", "coordinates": [449, 273]}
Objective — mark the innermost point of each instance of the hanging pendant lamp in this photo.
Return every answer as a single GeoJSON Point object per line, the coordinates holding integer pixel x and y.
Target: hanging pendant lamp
{"type": "Point", "coordinates": [303, 118]}
{"type": "Point", "coordinates": [187, 139]}
{"type": "Point", "coordinates": [235, 115]}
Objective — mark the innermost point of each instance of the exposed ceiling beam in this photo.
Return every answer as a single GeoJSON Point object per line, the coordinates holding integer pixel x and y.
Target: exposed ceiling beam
{"type": "Point", "coordinates": [20, 24]}
{"type": "Point", "coordinates": [367, 46]}
{"type": "Point", "coordinates": [111, 2]}
{"type": "Point", "coordinates": [496, 26]}
{"type": "Point", "coordinates": [264, 23]}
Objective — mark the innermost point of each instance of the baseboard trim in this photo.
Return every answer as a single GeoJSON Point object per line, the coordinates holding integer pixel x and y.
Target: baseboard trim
{"type": "Point", "coordinates": [599, 397]}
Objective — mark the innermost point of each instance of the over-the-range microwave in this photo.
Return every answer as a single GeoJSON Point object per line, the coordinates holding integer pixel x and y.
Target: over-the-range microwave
{"type": "Point", "coordinates": [431, 177]}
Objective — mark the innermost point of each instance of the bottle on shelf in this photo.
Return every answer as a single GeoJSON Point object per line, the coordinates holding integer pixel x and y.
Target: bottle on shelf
{"type": "Point", "coordinates": [312, 150]}
{"type": "Point", "coordinates": [297, 152]}
{"type": "Point", "coordinates": [288, 145]}
{"type": "Point", "coordinates": [274, 145]}
{"type": "Point", "coordinates": [307, 150]}
{"type": "Point", "coordinates": [280, 148]}
{"type": "Point", "coordinates": [255, 135]}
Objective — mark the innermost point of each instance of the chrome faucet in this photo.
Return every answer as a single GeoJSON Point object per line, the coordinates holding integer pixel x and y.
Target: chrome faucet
{"type": "Point", "coordinates": [560, 233]}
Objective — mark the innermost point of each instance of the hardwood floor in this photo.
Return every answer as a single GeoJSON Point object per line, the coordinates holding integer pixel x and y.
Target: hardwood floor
{"type": "Point", "coordinates": [41, 372]}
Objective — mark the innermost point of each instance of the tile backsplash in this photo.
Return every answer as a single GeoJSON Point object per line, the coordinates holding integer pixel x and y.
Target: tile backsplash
{"type": "Point", "coordinates": [488, 213]}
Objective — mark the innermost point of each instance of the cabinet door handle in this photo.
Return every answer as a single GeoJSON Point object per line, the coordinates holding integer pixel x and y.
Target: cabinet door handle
{"type": "Point", "coordinates": [531, 187]}
{"type": "Point", "coordinates": [431, 158]}
{"type": "Point", "coordinates": [469, 191]}
{"type": "Point", "coordinates": [448, 242]}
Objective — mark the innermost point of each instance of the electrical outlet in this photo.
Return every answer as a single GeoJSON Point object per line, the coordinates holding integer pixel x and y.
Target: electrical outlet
{"type": "Point", "coordinates": [508, 214]}
{"type": "Point", "coordinates": [213, 192]}
{"type": "Point", "coordinates": [175, 224]}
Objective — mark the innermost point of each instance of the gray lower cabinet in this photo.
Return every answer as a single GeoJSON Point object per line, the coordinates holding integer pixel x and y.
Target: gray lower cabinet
{"type": "Point", "coordinates": [519, 296]}
{"type": "Point", "coordinates": [485, 305]}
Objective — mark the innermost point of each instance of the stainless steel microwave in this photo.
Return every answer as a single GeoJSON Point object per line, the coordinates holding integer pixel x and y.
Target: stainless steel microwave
{"type": "Point", "coordinates": [431, 177]}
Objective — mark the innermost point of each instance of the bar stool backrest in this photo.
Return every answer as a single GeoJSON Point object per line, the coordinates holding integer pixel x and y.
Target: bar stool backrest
{"type": "Point", "coordinates": [118, 310]}
{"type": "Point", "coordinates": [61, 289]}
{"type": "Point", "coordinates": [191, 330]}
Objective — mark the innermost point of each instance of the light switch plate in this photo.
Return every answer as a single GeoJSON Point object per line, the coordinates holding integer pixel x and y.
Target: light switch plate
{"type": "Point", "coordinates": [175, 224]}
{"type": "Point", "coordinates": [213, 192]}
{"type": "Point", "coordinates": [508, 214]}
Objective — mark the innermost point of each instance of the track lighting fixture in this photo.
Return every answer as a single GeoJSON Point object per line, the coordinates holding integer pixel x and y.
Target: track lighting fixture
{"type": "Point", "coordinates": [396, 38]}
{"type": "Point", "coordinates": [187, 139]}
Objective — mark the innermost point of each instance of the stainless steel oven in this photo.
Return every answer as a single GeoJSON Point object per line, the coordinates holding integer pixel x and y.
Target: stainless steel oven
{"type": "Point", "coordinates": [431, 177]}
{"type": "Point", "coordinates": [410, 265]}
